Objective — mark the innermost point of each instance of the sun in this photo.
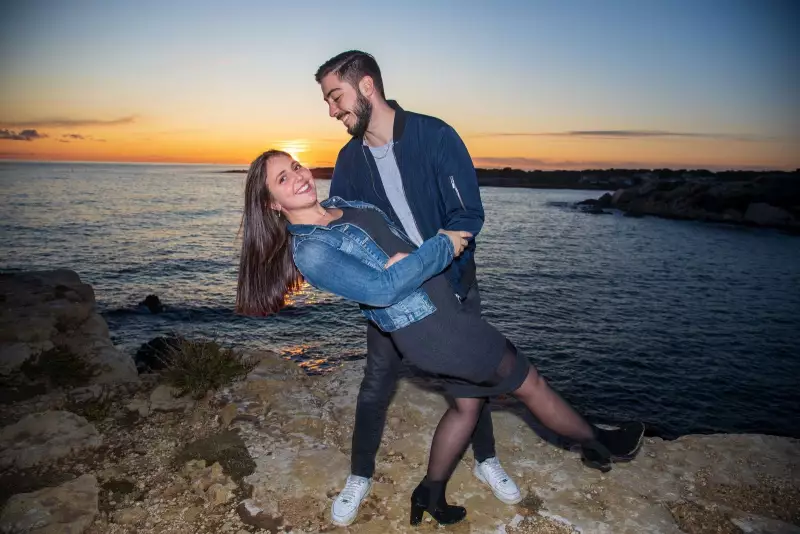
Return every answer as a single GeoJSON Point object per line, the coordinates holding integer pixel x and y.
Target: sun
{"type": "Point", "coordinates": [295, 148]}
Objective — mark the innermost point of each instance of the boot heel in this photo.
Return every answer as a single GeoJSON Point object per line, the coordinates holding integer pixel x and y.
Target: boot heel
{"type": "Point", "coordinates": [416, 514]}
{"type": "Point", "coordinates": [603, 467]}
{"type": "Point", "coordinates": [595, 455]}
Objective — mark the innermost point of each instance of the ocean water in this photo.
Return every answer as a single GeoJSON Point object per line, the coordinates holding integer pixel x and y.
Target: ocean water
{"type": "Point", "coordinates": [690, 327]}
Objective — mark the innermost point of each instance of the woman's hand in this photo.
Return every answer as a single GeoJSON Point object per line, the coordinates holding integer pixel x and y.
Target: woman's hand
{"type": "Point", "coordinates": [394, 259]}
{"type": "Point", "coordinates": [459, 239]}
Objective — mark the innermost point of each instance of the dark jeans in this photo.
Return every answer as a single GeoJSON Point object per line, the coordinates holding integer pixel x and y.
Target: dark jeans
{"type": "Point", "coordinates": [380, 377]}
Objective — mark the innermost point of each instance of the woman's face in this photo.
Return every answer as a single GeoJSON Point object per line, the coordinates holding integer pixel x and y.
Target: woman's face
{"type": "Point", "coordinates": [290, 184]}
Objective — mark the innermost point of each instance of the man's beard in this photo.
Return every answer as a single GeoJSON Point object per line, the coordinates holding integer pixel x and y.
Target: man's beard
{"type": "Point", "coordinates": [363, 113]}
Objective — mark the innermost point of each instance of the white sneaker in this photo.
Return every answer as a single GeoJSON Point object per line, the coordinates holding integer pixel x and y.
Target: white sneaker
{"type": "Point", "coordinates": [492, 473]}
{"type": "Point", "coordinates": [345, 507]}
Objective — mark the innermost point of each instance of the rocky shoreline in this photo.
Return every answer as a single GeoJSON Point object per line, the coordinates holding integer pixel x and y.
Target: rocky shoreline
{"type": "Point", "coordinates": [120, 453]}
{"type": "Point", "coordinates": [768, 201]}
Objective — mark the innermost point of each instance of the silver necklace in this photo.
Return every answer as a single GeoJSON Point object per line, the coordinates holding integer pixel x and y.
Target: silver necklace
{"type": "Point", "coordinates": [389, 146]}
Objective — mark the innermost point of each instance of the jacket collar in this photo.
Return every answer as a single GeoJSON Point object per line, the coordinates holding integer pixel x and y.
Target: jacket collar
{"type": "Point", "coordinates": [332, 202]}
{"type": "Point", "coordinates": [399, 120]}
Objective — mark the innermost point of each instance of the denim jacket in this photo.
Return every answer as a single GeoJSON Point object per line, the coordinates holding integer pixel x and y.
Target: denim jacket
{"type": "Point", "coordinates": [344, 260]}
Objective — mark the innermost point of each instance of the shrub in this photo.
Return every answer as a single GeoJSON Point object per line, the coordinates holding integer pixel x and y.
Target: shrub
{"type": "Point", "coordinates": [196, 366]}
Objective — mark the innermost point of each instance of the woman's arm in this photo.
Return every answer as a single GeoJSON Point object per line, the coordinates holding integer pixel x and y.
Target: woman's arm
{"type": "Point", "coordinates": [330, 269]}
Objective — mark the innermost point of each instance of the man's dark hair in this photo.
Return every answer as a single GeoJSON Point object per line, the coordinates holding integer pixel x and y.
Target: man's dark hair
{"type": "Point", "coordinates": [351, 66]}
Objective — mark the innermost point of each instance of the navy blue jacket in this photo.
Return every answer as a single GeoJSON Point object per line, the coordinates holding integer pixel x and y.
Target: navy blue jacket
{"type": "Point", "coordinates": [438, 177]}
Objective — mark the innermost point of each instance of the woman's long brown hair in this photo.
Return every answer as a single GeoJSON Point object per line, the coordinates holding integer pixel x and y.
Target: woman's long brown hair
{"type": "Point", "coordinates": [267, 273]}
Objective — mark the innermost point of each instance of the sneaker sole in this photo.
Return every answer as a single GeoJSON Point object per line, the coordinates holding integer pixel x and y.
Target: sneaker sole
{"type": "Point", "coordinates": [500, 497]}
{"type": "Point", "coordinates": [355, 515]}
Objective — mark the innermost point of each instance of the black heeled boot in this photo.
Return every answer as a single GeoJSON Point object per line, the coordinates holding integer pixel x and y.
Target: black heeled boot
{"type": "Point", "coordinates": [429, 497]}
{"type": "Point", "coordinates": [617, 445]}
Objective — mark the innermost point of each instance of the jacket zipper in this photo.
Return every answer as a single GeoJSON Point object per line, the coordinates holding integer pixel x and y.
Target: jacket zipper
{"type": "Point", "coordinates": [453, 183]}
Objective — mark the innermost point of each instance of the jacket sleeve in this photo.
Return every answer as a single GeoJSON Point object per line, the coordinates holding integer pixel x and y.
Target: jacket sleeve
{"type": "Point", "coordinates": [458, 184]}
{"type": "Point", "coordinates": [330, 269]}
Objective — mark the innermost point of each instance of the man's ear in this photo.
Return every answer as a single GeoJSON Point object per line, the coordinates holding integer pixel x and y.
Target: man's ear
{"type": "Point", "coordinates": [366, 86]}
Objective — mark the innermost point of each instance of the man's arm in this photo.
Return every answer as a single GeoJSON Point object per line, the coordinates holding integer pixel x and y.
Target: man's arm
{"type": "Point", "coordinates": [458, 184]}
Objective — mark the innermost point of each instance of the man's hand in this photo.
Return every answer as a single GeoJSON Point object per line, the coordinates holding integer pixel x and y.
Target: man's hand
{"type": "Point", "coordinates": [459, 239]}
{"type": "Point", "coordinates": [394, 259]}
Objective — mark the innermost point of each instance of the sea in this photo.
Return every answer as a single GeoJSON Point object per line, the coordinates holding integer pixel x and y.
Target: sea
{"type": "Point", "coordinates": [691, 327]}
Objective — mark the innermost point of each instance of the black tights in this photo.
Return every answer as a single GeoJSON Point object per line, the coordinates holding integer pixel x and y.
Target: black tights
{"type": "Point", "coordinates": [458, 422]}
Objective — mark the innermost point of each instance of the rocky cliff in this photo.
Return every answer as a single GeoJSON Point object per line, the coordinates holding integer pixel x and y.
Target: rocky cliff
{"type": "Point", "coordinates": [769, 201]}
{"type": "Point", "coordinates": [269, 452]}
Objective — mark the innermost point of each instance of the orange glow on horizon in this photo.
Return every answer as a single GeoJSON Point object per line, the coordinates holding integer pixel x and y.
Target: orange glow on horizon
{"type": "Point", "coordinates": [535, 152]}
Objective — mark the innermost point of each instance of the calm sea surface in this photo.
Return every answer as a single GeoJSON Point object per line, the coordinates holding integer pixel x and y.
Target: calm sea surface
{"type": "Point", "coordinates": [691, 327]}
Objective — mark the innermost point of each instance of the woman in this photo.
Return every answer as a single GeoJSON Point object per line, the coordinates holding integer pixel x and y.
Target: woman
{"type": "Point", "coordinates": [352, 249]}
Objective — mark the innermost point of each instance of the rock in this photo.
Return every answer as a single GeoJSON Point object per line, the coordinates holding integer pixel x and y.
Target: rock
{"type": "Point", "coordinates": [69, 508]}
{"type": "Point", "coordinates": [254, 516]}
{"type": "Point", "coordinates": [174, 490]}
{"type": "Point", "coordinates": [228, 414]}
{"type": "Point", "coordinates": [271, 366]}
{"type": "Point", "coordinates": [754, 479]}
{"type": "Point", "coordinates": [767, 215]}
{"type": "Point", "coordinates": [88, 394]}
{"type": "Point", "coordinates": [622, 196]}
{"type": "Point", "coordinates": [140, 406]}
{"type": "Point", "coordinates": [43, 437]}
{"type": "Point", "coordinates": [163, 399]}
{"type": "Point", "coordinates": [192, 513]}
{"type": "Point", "coordinates": [766, 201]}
{"type": "Point", "coordinates": [45, 310]}
{"type": "Point", "coordinates": [13, 355]}
{"type": "Point", "coordinates": [226, 448]}
{"type": "Point", "coordinates": [604, 201]}
{"type": "Point", "coordinates": [129, 516]}
{"type": "Point", "coordinates": [152, 303]}
{"type": "Point", "coordinates": [156, 353]}
{"type": "Point", "coordinates": [219, 494]}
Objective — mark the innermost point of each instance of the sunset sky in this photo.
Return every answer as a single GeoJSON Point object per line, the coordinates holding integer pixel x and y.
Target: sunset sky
{"type": "Point", "coordinates": [528, 84]}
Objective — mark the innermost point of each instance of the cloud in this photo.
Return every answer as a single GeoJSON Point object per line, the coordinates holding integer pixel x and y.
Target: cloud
{"type": "Point", "coordinates": [69, 123]}
{"type": "Point", "coordinates": [65, 138]}
{"type": "Point", "coordinates": [630, 134]}
{"type": "Point", "coordinates": [23, 135]}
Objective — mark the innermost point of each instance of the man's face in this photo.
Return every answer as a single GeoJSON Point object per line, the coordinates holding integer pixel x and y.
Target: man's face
{"type": "Point", "coordinates": [347, 104]}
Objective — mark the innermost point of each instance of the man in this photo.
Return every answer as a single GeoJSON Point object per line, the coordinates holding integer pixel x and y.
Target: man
{"type": "Point", "coordinates": [417, 170]}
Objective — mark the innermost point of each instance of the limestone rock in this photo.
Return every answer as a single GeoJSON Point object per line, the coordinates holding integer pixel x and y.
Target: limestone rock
{"type": "Point", "coordinates": [766, 214]}
{"type": "Point", "coordinates": [129, 516]}
{"type": "Point", "coordinates": [219, 494]}
{"type": "Point", "coordinates": [43, 309]}
{"type": "Point", "coordinates": [140, 406]}
{"type": "Point", "coordinates": [209, 482]}
{"type": "Point", "coordinates": [46, 436]}
{"type": "Point", "coordinates": [69, 508]}
{"type": "Point", "coordinates": [163, 399]}
{"type": "Point", "coordinates": [752, 481]}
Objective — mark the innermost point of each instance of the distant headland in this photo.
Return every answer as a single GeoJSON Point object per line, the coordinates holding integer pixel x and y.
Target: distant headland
{"type": "Point", "coordinates": [601, 179]}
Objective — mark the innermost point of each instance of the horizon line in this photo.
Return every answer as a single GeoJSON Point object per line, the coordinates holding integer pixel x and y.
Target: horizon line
{"type": "Point", "coordinates": [712, 168]}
